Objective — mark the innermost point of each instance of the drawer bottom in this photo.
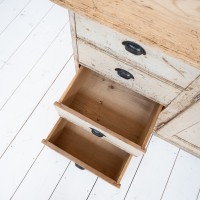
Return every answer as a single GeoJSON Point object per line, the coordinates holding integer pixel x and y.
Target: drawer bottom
{"type": "Point", "coordinates": [100, 157]}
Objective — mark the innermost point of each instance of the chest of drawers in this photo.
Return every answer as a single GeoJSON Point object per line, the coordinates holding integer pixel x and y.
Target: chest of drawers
{"type": "Point", "coordinates": [127, 86]}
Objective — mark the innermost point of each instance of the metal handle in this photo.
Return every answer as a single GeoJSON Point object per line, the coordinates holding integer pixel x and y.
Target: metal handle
{"type": "Point", "coordinates": [78, 166]}
{"type": "Point", "coordinates": [97, 133]}
{"type": "Point", "coordinates": [124, 74]}
{"type": "Point", "coordinates": [134, 48]}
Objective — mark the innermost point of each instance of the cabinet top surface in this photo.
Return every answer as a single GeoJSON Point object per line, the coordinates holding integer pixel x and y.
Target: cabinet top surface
{"type": "Point", "coordinates": [172, 26]}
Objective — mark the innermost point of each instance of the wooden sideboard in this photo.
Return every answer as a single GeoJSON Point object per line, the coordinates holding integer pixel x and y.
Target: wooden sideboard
{"type": "Point", "coordinates": [138, 73]}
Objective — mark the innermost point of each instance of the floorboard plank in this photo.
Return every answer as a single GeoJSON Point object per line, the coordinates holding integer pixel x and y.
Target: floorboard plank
{"type": "Point", "coordinates": [103, 190]}
{"type": "Point", "coordinates": [75, 184]}
{"type": "Point", "coordinates": [18, 31]}
{"type": "Point", "coordinates": [154, 170]}
{"type": "Point", "coordinates": [24, 60]}
{"type": "Point", "coordinates": [20, 68]}
{"type": "Point", "coordinates": [43, 176]}
{"type": "Point", "coordinates": [9, 10]}
{"type": "Point", "coordinates": [24, 149]}
{"type": "Point", "coordinates": [184, 182]}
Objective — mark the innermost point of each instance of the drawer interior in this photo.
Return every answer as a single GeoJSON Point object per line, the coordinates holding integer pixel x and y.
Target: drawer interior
{"type": "Point", "coordinates": [88, 151]}
{"type": "Point", "coordinates": [111, 105]}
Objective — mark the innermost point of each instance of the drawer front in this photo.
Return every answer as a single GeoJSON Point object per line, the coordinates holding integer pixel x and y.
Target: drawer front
{"type": "Point", "coordinates": [88, 151]}
{"type": "Point", "coordinates": [100, 105]}
{"type": "Point", "coordinates": [140, 82]}
{"type": "Point", "coordinates": [154, 62]}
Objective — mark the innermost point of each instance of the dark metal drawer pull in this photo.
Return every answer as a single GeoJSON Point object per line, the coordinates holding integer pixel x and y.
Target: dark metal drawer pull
{"type": "Point", "coordinates": [134, 48]}
{"type": "Point", "coordinates": [97, 133]}
{"type": "Point", "coordinates": [124, 74]}
{"type": "Point", "coordinates": [78, 166]}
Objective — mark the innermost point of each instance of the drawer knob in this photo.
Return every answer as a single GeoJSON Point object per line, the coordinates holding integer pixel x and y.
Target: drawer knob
{"type": "Point", "coordinates": [134, 48]}
{"type": "Point", "coordinates": [97, 133]}
{"type": "Point", "coordinates": [124, 74]}
{"type": "Point", "coordinates": [78, 166]}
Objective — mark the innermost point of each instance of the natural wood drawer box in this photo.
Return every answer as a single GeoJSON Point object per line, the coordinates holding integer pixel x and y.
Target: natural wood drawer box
{"type": "Point", "coordinates": [140, 82]}
{"type": "Point", "coordinates": [103, 159]}
{"type": "Point", "coordinates": [125, 118]}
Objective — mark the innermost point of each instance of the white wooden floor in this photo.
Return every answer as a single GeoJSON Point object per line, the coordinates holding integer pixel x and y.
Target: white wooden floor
{"type": "Point", "coordinates": [36, 65]}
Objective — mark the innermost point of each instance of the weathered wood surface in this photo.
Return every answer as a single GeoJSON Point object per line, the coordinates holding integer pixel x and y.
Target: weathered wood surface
{"type": "Point", "coordinates": [172, 26]}
{"type": "Point", "coordinates": [155, 63]}
{"type": "Point", "coordinates": [73, 35]}
{"type": "Point", "coordinates": [184, 129]}
{"type": "Point", "coordinates": [143, 83]}
{"type": "Point", "coordinates": [180, 103]}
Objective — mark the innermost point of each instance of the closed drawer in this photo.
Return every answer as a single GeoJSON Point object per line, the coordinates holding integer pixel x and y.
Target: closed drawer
{"type": "Point", "coordinates": [133, 78]}
{"type": "Point", "coordinates": [154, 62]}
{"type": "Point", "coordinates": [88, 151]}
{"type": "Point", "coordinates": [119, 115]}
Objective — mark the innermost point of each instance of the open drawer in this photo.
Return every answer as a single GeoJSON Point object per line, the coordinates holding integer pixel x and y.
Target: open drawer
{"type": "Point", "coordinates": [109, 110]}
{"type": "Point", "coordinates": [88, 151]}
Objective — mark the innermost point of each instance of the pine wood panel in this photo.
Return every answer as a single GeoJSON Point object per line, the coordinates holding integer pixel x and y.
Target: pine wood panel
{"type": "Point", "coordinates": [89, 101]}
{"type": "Point", "coordinates": [149, 22]}
{"type": "Point", "coordinates": [91, 152]}
{"type": "Point", "coordinates": [110, 136]}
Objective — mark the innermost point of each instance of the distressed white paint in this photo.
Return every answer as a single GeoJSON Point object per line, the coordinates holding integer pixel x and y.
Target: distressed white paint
{"type": "Point", "coordinates": [154, 62]}
{"type": "Point", "coordinates": [184, 130]}
{"type": "Point", "coordinates": [184, 122]}
{"type": "Point", "coordinates": [142, 83]}
{"type": "Point", "coordinates": [180, 103]}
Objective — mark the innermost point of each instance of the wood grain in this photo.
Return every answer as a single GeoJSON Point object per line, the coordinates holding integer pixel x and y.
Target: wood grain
{"type": "Point", "coordinates": [110, 136]}
{"type": "Point", "coordinates": [171, 26]}
{"type": "Point", "coordinates": [91, 152]}
{"type": "Point", "coordinates": [154, 62]}
{"type": "Point", "coordinates": [143, 83]}
{"type": "Point", "coordinates": [95, 101]}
